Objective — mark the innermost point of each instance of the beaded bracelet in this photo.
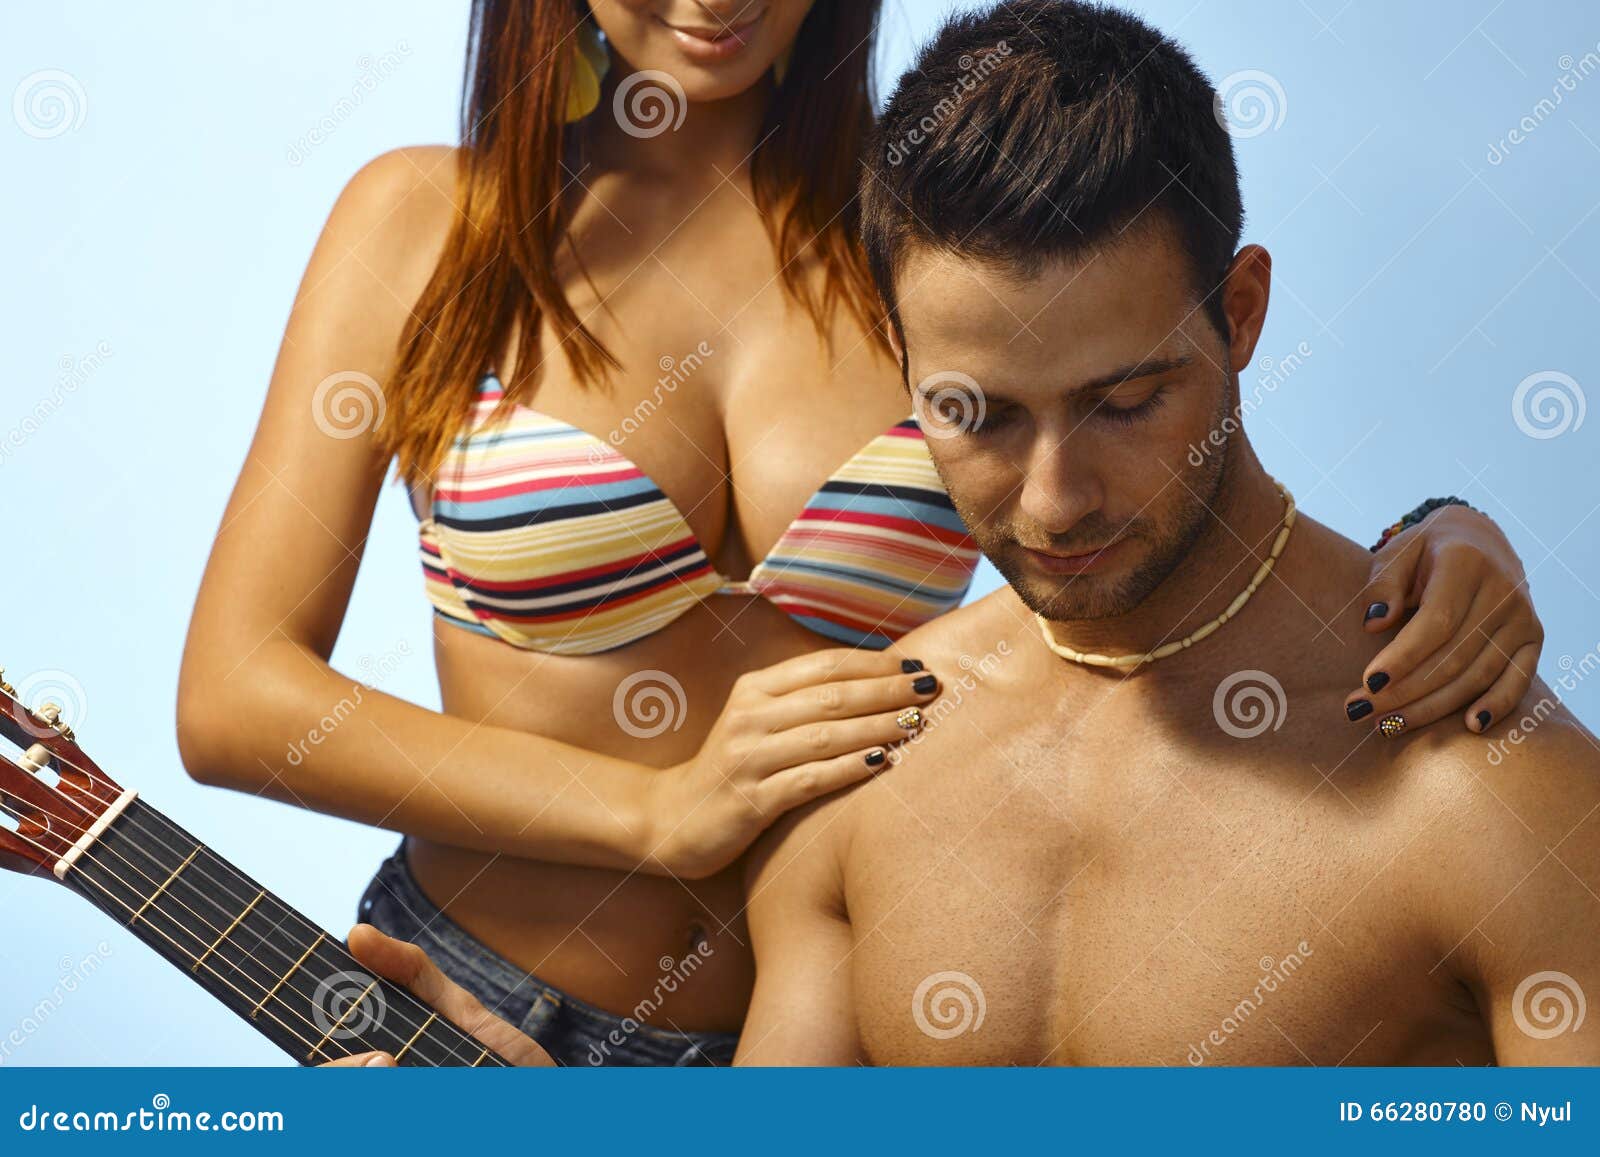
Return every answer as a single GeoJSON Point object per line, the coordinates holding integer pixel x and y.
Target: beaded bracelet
{"type": "Point", "coordinates": [1415, 516]}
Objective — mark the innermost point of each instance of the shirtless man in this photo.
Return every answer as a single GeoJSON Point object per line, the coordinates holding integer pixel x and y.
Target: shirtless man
{"type": "Point", "coordinates": [1177, 861]}
{"type": "Point", "coordinates": [1182, 862]}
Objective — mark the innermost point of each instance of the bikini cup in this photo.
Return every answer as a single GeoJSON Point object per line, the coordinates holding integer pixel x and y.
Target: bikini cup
{"type": "Point", "coordinates": [549, 538]}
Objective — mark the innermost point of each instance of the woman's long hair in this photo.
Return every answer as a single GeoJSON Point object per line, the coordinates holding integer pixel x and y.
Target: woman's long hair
{"type": "Point", "coordinates": [497, 272]}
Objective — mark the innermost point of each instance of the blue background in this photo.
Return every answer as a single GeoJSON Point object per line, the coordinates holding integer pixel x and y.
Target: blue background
{"type": "Point", "coordinates": [169, 228]}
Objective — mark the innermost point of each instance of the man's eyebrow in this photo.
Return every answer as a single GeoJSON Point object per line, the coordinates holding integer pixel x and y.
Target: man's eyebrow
{"type": "Point", "coordinates": [1148, 368]}
{"type": "Point", "coordinates": [1145, 369]}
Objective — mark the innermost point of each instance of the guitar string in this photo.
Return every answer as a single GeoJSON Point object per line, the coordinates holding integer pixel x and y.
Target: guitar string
{"type": "Point", "coordinates": [181, 950]}
{"type": "Point", "coordinates": [245, 976]}
{"type": "Point", "coordinates": [401, 1017]}
{"type": "Point", "coordinates": [200, 960]}
{"type": "Point", "coordinates": [200, 870]}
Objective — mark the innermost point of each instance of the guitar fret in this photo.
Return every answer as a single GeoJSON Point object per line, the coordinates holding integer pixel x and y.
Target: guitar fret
{"type": "Point", "coordinates": [199, 893]}
{"type": "Point", "coordinates": [226, 932]}
{"type": "Point", "coordinates": [284, 979]}
{"type": "Point", "coordinates": [156, 895]}
{"type": "Point", "coordinates": [327, 1036]}
{"type": "Point", "coordinates": [401, 1054]}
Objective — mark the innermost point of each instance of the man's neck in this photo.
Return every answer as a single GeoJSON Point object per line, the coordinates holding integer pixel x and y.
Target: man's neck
{"type": "Point", "coordinates": [1237, 538]}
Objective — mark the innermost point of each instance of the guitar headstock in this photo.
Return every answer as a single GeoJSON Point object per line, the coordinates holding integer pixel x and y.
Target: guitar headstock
{"type": "Point", "coordinates": [50, 791]}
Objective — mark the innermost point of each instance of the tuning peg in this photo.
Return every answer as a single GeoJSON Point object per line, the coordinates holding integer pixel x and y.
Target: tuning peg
{"type": "Point", "coordinates": [4, 686]}
{"type": "Point", "coordinates": [50, 713]}
{"type": "Point", "coordinates": [36, 758]}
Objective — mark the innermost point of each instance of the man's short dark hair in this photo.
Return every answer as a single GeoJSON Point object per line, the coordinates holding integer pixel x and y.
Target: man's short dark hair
{"type": "Point", "coordinates": [1040, 130]}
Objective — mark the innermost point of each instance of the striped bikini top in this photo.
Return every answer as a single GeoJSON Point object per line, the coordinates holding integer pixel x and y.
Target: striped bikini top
{"type": "Point", "coordinates": [545, 536]}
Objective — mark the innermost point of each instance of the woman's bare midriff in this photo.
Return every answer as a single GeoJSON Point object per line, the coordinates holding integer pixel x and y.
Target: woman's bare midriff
{"type": "Point", "coordinates": [610, 938]}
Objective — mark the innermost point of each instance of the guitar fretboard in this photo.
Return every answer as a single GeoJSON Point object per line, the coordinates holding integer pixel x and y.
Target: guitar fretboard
{"type": "Point", "coordinates": [287, 978]}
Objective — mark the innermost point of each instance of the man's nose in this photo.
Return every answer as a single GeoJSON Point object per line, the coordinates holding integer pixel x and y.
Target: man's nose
{"type": "Point", "coordinates": [1060, 487]}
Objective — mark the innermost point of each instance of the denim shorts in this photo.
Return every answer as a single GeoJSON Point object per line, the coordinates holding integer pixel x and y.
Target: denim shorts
{"type": "Point", "coordinates": [571, 1031]}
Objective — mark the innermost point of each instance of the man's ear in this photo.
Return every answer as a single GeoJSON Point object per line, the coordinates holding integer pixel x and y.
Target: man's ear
{"type": "Point", "coordinates": [1244, 301]}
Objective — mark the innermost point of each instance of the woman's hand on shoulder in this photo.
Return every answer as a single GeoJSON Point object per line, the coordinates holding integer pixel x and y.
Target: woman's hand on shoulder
{"type": "Point", "coordinates": [788, 734]}
{"type": "Point", "coordinates": [1473, 644]}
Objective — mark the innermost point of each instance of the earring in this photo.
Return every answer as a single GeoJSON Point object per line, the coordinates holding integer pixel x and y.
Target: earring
{"type": "Point", "coordinates": [591, 61]}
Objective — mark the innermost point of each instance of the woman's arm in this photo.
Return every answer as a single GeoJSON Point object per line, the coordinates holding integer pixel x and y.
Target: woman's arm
{"type": "Point", "coordinates": [256, 681]}
{"type": "Point", "coordinates": [1473, 644]}
{"type": "Point", "coordinates": [255, 674]}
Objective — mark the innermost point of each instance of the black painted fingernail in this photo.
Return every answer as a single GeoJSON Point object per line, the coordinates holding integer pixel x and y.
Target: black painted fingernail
{"type": "Point", "coordinates": [1483, 718]}
{"type": "Point", "coordinates": [1360, 709]}
{"type": "Point", "coordinates": [876, 758]}
{"type": "Point", "coordinates": [1377, 681]}
{"type": "Point", "coordinates": [910, 666]}
{"type": "Point", "coordinates": [925, 684]}
{"type": "Point", "coordinates": [1376, 611]}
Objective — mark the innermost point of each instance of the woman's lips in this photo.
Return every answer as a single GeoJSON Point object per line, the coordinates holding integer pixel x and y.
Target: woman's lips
{"type": "Point", "coordinates": [1076, 563]}
{"type": "Point", "coordinates": [713, 45]}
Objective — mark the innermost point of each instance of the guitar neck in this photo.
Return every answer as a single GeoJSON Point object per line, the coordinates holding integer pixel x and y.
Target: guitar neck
{"type": "Point", "coordinates": [283, 975]}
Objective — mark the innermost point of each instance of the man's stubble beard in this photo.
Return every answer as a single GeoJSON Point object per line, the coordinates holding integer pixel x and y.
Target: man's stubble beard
{"type": "Point", "coordinates": [1089, 596]}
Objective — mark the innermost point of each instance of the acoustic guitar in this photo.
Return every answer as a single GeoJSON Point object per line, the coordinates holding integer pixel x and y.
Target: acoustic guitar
{"type": "Point", "coordinates": [294, 983]}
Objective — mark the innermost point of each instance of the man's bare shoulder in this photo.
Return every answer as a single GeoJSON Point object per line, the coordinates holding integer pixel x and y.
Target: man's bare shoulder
{"type": "Point", "coordinates": [968, 632]}
{"type": "Point", "coordinates": [1539, 772]}
{"type": "Point", "coordinates": [1510, 837]}
{"type": "Point", "coordinates": [807, 847]}
{"type": "Point", "coordinates": [800, 858]}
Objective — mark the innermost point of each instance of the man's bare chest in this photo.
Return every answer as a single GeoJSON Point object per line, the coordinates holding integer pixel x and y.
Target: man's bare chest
{"type": "Point", "coordinates": [1146, 906]}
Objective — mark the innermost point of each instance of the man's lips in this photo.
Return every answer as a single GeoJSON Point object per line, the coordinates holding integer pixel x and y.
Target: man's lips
{"type": "Point", "coordinates": [1075, 563]}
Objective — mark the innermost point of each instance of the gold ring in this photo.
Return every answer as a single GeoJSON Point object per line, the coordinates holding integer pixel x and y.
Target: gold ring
{"type": "Point", "coordinates": [1392, 725]}
{"type": "Point", "coordinates": [910, 718]}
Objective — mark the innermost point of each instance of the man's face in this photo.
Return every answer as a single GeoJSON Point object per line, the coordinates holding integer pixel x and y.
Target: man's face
{"type": "Point", "coordinates": [1070, 460]}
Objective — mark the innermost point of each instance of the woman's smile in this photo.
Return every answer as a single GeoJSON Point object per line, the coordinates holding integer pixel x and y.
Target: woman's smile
{"type": "Point", "coordinates": [710, 45]}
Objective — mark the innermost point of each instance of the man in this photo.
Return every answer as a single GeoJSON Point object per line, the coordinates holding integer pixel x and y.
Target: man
{"type": "Point", "coordinates": [1098, 858]}
{"type": "Point", "coordinates": [1179, 861]}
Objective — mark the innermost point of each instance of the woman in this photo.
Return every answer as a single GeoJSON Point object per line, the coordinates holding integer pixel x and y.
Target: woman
{"type": "Point", "coordinates": [674, 284]}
